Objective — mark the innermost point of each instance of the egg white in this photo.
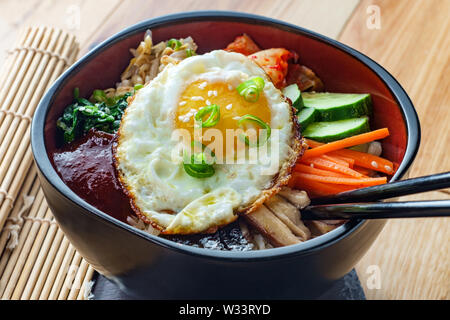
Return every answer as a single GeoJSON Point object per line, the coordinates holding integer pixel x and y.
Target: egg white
{"type": "Point", "coordinates": [159, 187]}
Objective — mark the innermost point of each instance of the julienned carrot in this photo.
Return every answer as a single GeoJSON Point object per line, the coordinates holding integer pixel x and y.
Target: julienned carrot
{"type": "Point", "coordinates": [346, 181]}
{"type": "Point", "coordinates": [367, 160]}
{"type": "Point", "coordinates": [313, 144]}
{"type": "Point", "coordinates": [361, 159]}
{"type": "Point", "coordinates": [314, 188]}
{"type": "Point", "coordinates": [335, 160]}
{"type": "Point", "coordinates": [350, 161]}
{"type": "Point", "coordinates": [336, 169]}
{"type": "Point", "coordinates": [299, 167]}
{"type": "Point", "coordinates": [346, 143]}
{"type": "Point", "coordinates": [364, 171]}
{"type": "Point", "coordinates": [331, 166]}
{"type": "Point", "coordinates": [318, 189]}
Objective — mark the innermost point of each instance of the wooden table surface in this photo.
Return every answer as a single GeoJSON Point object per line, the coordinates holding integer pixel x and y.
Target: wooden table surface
{"type": "Point", "coordinates": [408, 37]}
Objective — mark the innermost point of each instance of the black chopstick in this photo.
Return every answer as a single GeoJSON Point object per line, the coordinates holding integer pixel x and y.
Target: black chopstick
{"type": "Point", "coordinates": [389, 190]}
{"type": "Point", "coordinates": [378, 210]}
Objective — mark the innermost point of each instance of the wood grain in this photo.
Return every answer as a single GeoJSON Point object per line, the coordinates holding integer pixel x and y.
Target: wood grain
{"type": "Point", "coordinates": [99, 19]}
{"type": "Point", "coordinates": [79, 17]}
{"type": "Point", "coordinates": [305, 13]}
{"type": "Point", "coordinates": [413, 44]}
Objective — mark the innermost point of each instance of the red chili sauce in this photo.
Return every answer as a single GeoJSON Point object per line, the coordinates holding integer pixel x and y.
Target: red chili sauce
{"type": "Point", "coordinates": [86, 167]}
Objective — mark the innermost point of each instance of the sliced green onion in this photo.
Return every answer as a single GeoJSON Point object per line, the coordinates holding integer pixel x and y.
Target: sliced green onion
{"type": "Point", "coordinates": [196, 166]}
{"type": "Point", "coordinates": [190, 53]}
{"type": "Point", "coordinates": [174, 44]}
{"type": "Point", "coordinates": [206, 172]}
{"type": "Point", "coordinates": [250, 94]}
{"type": "Point", "coordinates": [250, 89]}
{"type": "Point", "coordinates": [214, 115]}
{"type": "Point", "coordinates": [208, 155]}
{"type": "Point", "coordinates": [138, 86]}
{"type": "Point", "coordinates": [258, 121]}
{"type": "Point", "coordinates": [259, 82]}
{"type": "Point", "coordinates": [99, 95]}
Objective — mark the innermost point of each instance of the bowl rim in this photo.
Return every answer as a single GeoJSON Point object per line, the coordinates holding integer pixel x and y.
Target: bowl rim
{"type": "Point", "coordinates": [42, 161]}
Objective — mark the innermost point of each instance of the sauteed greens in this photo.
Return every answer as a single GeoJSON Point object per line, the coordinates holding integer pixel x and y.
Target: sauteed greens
{"type": "Point", "coordinates": [82, 115]}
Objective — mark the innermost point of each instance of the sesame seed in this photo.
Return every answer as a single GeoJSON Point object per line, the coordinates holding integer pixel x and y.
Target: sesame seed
{"type": "Point", "coordinates": [374, 164]}
{"type": "Point", "coordinates": [215, 93]}
{"type": "Point", "coordinates": [208, 103]}
{"type": "Point", "coordinates": [197, 98]}
{"type": "Point", "coordinates": [203, 85]}
{"type": "Point", "coordinates": [230, 87]}
{"type": "Point", "coordinates": [180, 118]}
{"type": "Point", "coordinates": [210, 93]}
{"type": "Point", "coordinates": [228, 107]}
{"type": "Point", "coordinates": [388, 168]}
{"type": "Point", "coordinates": [186, 119]}
{"type": "Point", "coordinates": [182, 103]}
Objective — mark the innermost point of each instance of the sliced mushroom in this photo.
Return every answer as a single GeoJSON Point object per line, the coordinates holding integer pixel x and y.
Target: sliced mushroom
{"type": "Point", "coordinates": [289, 215]}
{"type": "Point", "coordinates": [298, 198]}
{"type": "Point", "coordinates": [277, 203]}
{"type": "Point", "coordinates": [319, 228]}
{"type": "Point", "coordinates": [272, 228]}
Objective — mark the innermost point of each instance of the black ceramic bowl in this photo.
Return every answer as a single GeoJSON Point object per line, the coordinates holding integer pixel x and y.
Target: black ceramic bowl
{"type": "Point", "coordinates": [153, 267]}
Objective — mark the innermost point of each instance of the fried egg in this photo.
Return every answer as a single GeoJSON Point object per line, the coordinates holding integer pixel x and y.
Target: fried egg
{"type": "Point", "coordinates": [151, 165]}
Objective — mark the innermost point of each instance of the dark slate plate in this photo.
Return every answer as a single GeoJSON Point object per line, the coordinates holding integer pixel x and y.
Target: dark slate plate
{"type": "Point", "coordinates": [347, 288]}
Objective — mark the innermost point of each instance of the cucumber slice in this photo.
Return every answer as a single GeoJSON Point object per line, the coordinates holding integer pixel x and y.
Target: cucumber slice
{"type": "Point", "coordinates": [294, 94]}
{"type": "Point", "coordinates": [307, 116]}
{"type": "Point", "coordinates": [335, 130]}
{"type": "Point", "coordinates": [339, 106]}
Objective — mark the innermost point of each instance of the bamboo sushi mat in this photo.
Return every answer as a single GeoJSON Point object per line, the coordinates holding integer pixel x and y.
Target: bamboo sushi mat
{"type": "Point", "coordinates": [36, 259]}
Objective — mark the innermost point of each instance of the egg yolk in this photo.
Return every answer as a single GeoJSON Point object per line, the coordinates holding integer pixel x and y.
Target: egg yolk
{"type": "Point", "coordinates": [232, 106]}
